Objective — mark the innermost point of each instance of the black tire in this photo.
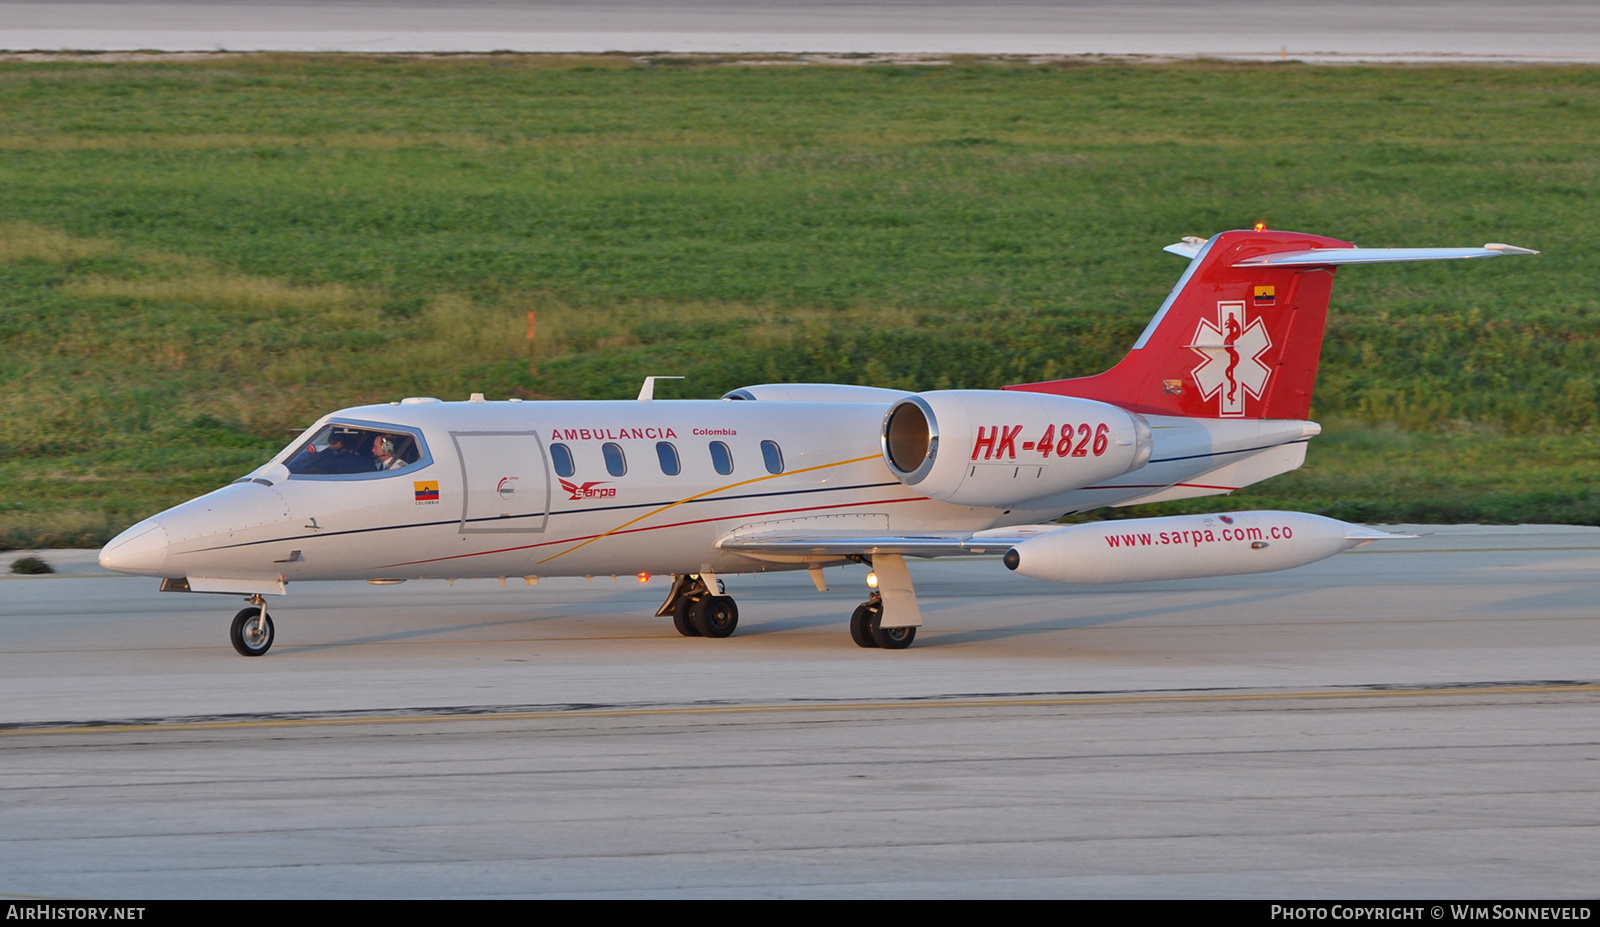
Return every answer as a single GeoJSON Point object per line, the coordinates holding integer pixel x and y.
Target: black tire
{"type": "Point", "coordinates": [891, 638]}
{"type": "Point", "coordinates": [683, 617]}
{"type": "Point", "coordinates": [244, 636]}
{"type": "Point", "coordinates": [861, 624]}
{"type": "Point", "coordinates": [716, 616]}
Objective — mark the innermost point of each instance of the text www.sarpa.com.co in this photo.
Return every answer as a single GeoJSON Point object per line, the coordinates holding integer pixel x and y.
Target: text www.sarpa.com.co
{"type": "Point", "coordinates": [1197, 537]}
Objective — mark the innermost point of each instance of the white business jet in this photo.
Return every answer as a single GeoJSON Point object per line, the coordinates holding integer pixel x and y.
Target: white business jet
{"type": "Point", "coordinates": [1213, 396]}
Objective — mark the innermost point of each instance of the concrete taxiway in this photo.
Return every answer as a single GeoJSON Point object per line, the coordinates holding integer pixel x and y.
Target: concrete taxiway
{"type": "Point", "coordinates": [1342, 30]}
{"type": "Point", "coordinates": [1418, 718]}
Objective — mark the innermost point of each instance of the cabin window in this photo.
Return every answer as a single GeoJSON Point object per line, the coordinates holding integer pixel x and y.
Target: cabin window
{"type": "Point", "coordinates": [668, 455]}
{"type": "Point", "coordinates": [616, 464]}
{"type": "Point", "coordinates": [772, 456]}
{"type": "Point", "coordinates": [348, 450]}
{"type": "Point", "coordinates": [721, 458]}
{"type": "Point", "coordinates": [561, 456]}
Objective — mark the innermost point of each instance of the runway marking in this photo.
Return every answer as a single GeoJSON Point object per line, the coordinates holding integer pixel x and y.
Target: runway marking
{"type": "Point", "coordinates": [470, 714]}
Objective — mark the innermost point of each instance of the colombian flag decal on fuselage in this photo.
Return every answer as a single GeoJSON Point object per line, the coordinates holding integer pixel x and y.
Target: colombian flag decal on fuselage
{"type": "Point", "coordinates": [427, 490]}
{"type": "Point", "coordinates": [1266, 295]}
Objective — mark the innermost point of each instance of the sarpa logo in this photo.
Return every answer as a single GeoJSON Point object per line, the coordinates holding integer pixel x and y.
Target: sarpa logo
{"type": "Point", "coordinates": [592, 490]}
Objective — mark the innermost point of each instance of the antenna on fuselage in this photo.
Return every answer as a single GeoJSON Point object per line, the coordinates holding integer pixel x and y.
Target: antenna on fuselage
{"type": "Point", "coordinates": [647, 392]}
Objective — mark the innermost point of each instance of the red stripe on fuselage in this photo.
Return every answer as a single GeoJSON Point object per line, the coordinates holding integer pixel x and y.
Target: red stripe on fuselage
{"type": "Point", "coordinates": [677, 524]}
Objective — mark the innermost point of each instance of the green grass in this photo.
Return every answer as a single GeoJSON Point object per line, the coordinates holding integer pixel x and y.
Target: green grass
{"type": "Point", "coordinates": [199, 256]}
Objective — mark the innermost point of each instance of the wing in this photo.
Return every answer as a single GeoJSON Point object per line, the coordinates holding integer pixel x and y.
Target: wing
{"type": "Point", "coordinates": [788, 544]}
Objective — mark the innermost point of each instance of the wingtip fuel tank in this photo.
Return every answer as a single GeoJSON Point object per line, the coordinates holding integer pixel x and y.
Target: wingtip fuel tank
{"type": "Point", "coordinates": [1184, 547]}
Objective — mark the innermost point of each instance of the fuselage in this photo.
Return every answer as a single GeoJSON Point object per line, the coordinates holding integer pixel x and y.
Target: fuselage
{"type": "Point", "coordinates": [529, 489]}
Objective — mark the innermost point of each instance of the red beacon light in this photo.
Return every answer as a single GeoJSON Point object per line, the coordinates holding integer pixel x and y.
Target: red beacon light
{"type": "Point", "coordinates": [644, 577]}
{"type": "Point", "coordinates": [1261, 226]}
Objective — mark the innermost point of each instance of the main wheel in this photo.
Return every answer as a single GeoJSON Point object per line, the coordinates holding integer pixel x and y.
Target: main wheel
{"type": "Point", "coordinates": [861, 624]}
{"type": "Point", "coordinates": [683, 617]}
{"type": "Point", "coordinates": [716, 616]}
{"type": "Point", "coordinates": [249, 636]}
{"type": "Point", "coordinates": [891, 638]}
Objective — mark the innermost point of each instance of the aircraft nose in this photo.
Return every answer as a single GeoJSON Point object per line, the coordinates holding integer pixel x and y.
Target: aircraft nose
{"type": "Point", "coordinates": [140, 549]}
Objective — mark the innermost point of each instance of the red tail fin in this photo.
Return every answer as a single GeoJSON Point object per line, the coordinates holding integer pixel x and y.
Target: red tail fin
{"type": "Point", "coordinates": [1230, 341]}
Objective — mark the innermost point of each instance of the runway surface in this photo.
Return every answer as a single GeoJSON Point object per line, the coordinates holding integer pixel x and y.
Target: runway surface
{"type": "Point", "coordinates": [1342, 30]}
{"type": "Point", "coordinates": [1416, 719]}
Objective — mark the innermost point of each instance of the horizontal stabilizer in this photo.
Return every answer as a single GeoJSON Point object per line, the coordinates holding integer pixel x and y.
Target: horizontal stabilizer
{"type": "Point", "coordinates": [1329, 257]}
{"type": "Point", "coordinates": [1189, 247]}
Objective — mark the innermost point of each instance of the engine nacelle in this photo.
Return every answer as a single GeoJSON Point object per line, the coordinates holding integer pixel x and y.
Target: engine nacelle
{"type": "Point", "coordinates": [993, 448]}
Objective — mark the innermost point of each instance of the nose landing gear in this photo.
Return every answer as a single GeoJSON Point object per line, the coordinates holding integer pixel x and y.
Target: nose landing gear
{"type": "Point", "coordinates": [252, 630]}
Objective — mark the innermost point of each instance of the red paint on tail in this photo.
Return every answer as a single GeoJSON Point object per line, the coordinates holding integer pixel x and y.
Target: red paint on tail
{"type": "Point", "coordinates": [1232, 342]}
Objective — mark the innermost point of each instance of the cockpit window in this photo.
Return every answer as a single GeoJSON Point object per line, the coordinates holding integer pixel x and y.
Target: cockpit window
{"type": "Point", "coordinates": [348, 449]}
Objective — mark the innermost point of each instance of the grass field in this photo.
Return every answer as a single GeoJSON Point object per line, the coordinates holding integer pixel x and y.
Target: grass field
{"type": "Point", "coordinates": [198, 257]}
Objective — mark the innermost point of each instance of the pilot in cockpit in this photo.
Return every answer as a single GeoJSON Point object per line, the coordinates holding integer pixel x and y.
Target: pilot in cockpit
{"type": "Point", "coordinates": [383, 453]}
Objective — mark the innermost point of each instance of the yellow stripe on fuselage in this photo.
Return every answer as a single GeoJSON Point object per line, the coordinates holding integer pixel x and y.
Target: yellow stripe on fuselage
{"type": "Point", "coordinates": [702, 495]}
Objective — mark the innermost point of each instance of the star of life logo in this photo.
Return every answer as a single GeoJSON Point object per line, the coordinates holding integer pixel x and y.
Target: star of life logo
{"type": "Point", "coordinates": [1232, 350]}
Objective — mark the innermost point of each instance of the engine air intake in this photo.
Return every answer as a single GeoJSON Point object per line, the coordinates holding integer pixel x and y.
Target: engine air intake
{"type": "Point", "coordinates": [909, 439]}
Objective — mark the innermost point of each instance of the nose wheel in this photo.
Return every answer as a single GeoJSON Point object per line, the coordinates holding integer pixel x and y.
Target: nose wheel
{"type": "Point", "coordinates": [252, 631]}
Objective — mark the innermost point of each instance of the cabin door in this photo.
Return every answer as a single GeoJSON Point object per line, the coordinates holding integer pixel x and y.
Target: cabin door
{"type": "Point", "coordinates": [505, 482]}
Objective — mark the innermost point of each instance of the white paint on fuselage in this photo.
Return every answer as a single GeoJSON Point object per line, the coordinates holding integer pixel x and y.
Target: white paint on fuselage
{"type": "Point", "coordinates": [375, 526]}
{"type": "Point", "coordinates": [656, 523]}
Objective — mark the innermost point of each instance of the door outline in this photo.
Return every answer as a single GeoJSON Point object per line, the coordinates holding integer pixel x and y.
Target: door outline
{"type": "Point", "coordinates": [467, 527]}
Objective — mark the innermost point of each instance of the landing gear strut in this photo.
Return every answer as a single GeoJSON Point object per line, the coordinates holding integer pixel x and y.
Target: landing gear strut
{"type": "Point", "coordinates": [696, 611]}
{"type": "Point", "coordinates": [252, 630]}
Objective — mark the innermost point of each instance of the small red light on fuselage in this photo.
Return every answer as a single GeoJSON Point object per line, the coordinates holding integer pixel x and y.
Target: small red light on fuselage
{"type": "Point", "coordinates": [644, 577]}
{"type": "Point", "coordinates": [1261, 226]}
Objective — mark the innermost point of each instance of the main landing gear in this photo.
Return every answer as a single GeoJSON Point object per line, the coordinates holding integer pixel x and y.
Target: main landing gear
{"type": "Point", "coordinates": [892, 592]}
{"type": "Point", "coordinates": [698, 612]}
{"type": "Point", "coordinates": [699, 609]}
{"type": "Point", "coordinates": [866, 632]}
{"type": "Point", "coordinates": [252, 630]}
